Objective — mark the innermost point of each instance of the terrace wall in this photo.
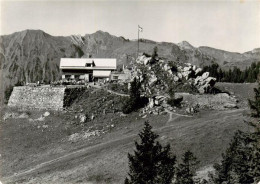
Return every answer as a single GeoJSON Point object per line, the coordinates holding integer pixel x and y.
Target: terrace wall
{"type": "Point", "coordinates": [26, 97]}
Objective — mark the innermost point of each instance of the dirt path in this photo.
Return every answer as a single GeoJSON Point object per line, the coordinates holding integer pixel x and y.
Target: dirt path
{"type": "Point", "coordinates": [116, 93]}
{"type": "Point", "coordinates": [173, 113]}
{"type": "Point", "coordinates": [59, 162]}
{"type": "Point", "coordinates": [108, 90]}
{"type": "Point", "coordinates": [65, 158]}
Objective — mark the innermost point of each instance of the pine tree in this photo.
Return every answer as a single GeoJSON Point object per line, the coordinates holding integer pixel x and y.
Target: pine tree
{"type": "Point", "coordinates": [154, 55]}
{"type": "Point", "coordinates": [151, 163]}
{"type": "Point", "coordinates": [250, 74]}
{"type": "Point", "coordinates": [240, 162]}
{"type": "Point", "coordinates": [220, 76]}
{"type": "Point", "coordinates": [135, 93]}
{"type": "Point", "coordinates": [186, 170]}
{"type": "Point", "coordinates": [255, 104]}
{"type": "Point", "coordinates": [135, 101]}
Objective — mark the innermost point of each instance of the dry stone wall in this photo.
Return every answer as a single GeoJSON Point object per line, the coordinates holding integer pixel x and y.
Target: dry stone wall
{"type": "Point", "coordinates": [219, 101]}
{"type": "Point", "coordinates": [26, 97]}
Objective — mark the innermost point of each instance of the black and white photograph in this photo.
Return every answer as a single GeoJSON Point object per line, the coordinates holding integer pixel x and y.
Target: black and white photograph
{"type": "Point", "coordinates": [129, 92]}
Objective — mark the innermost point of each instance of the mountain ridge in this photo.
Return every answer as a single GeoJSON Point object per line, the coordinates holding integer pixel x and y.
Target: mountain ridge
{"type": "Point", "coordinates": [32, 55]}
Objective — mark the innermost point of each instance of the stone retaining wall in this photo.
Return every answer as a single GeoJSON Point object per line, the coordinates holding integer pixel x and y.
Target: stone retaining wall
{"type": "Point", "coordinates": [219, 101]}
{"type": "Point", "coordinates": [26, 97]}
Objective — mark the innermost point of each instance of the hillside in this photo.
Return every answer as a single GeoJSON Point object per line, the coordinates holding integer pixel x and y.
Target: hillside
{"type": "Point", "coordinates": [55, 147]}
{"type": "Point", "coordinates": [33, 55]}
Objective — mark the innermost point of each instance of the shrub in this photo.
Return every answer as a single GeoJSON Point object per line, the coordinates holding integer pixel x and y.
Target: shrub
{"type": "Point", "coordinates": [175, 102]}
{"type": "Point", "coordinates": [71, 94]}
{"type": "Point", "coordinates": [173, 66]}
{"type": "Point", "coordinates": [131, 105]}
{"type": "Point", "coordinates": [255, 104]}
{"type": "Point", "coordinates": [154, 55]}
{"type": "Point", "coordinates": [121, 88]}
{"type": "Point", "coordinates": [128, 106]}
{"type": "Point", "coordinates": [135, 101]}
{"type": "Point", "coordinates": [8, 91]}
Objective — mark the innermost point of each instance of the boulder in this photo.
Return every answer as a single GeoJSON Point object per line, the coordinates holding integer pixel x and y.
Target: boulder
{"type": "Point", "coordinates": [161, 61]}
{"type": "Point", "coordinates": [165, 105]}
{"type": "Point", "coordinates": [179, 75]}
{"type": "Point", "coordinates": [166, 67]}
{"type": "Point", "coordinates": [202, 89]}
{"type": "Point", "coordinates": [197, 80]}
{"type": "Point", "coordinates": [205, 75]}
{"type": "Point", "coordinates": [163, 113]}
{"type": "Point", "coordinates": [161, 98]}
{"type": "Point", "coordinates": [186, 74]}
{"type": "Point", "coordinates": [92, 117]}
{"type": "Point", "coordinates": [198, 70]}
{"type": "Point", "coordinates": [185, 69]}
{"type": "Point", "coordinates": [189, 110]}
{"type": "Point", "coordinates": [144, 116]}
{"type": "Point", "coordinates": [46, 114]}
{"type": "Point", "coordinates": [170, 108]}
{"type": "Point", "coordinates": [82, 118]}
{"type": "Point", "coordinates": [211, 81]}
{"type": "Point", "coordinates": [179, 68]}
{"type": "Point", "coordinates": [175, 78]}
{"type": "Point", "coordinates": [156, 102]}
{"type": "Point", "coordinates": [140, 59]}
{"type": "Point", "coordinates": [151, 103]}
{"type": "Point", "coordinates": [152, 80]}
{"type": "Point", "coordinates": [146, 60]}
{"type": "Point", "coordinates": [45, 126]}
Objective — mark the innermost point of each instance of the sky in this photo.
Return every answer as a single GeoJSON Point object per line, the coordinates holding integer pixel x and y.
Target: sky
{"type": "Point", "coordinates": [227, 25]}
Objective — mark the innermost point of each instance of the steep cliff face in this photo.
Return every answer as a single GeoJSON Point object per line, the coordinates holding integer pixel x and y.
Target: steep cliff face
{"type": "Point", "coordinates": [33, 55]}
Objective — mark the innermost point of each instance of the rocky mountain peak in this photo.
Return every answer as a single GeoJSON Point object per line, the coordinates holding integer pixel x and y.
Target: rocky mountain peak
{"type": "Point", "coordinates": [77, 40]}
{"type": "Point", "coordinates": [185, 45]}
{"type": "Point", "coordinates": [33, 55]}
{"type": "Point", "coordinates": [256, 50]}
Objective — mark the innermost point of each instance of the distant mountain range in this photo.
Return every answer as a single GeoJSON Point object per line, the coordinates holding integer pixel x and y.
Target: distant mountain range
{"type": "Point", "coordinates": [33, 55]}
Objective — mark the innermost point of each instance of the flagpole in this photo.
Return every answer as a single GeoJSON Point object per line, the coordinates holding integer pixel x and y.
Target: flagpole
{"type": "Point", "coordinates": [138, 41]}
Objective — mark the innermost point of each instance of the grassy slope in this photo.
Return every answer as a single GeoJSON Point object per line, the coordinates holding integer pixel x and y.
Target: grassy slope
{"type": "Point", "coordinates": [242, 91]}
{"type": "Point", "coordinates": [104, 158]}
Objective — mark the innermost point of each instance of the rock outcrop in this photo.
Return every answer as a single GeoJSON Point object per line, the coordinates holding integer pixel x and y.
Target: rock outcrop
{"type": "Point", "coordinates": [158, 75]}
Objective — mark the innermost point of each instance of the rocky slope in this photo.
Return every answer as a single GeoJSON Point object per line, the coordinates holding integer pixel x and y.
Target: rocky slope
{"type": "Point", "coordinates": [33, 55]}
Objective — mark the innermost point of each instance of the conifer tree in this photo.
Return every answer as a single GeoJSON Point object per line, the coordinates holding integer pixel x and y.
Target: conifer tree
{"type": "Point", "coordinates": [135, 93]}
{"type": "Point", "coordinates": [151, 163]}
{"type": "Point", "coordinates": [250, 74]}
{"type": "Point", "coordinates": [135, 101]}
{"type": "Point", "coordinates": [186, 170]}
{"type": "Point", "coordinates": [255, 104]}
{"type": "Point", "coordinates": [240, 162]}
{"type": "Point", "coordinates": [154, 55]}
